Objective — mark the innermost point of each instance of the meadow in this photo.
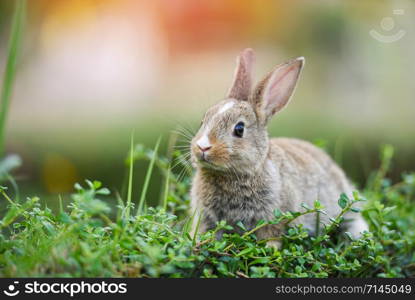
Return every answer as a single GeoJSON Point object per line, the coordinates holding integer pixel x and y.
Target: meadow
{"type": "Point", "coordinates": [91, 238]}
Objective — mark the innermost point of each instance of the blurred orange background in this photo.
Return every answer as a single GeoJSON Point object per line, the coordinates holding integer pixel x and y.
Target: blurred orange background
{"type": "Point", "coordinates": [91, 72]}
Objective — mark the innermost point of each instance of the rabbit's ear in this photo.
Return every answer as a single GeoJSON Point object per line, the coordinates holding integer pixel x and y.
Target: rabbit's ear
{"type": "Point", "coordinates": [275, 90]}
{"type": "Point", "coordinates": [242, 80]}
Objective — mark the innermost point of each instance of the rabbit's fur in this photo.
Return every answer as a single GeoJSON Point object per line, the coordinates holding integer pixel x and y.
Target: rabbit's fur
{"type": "Point", "coordinates": [246, 178]}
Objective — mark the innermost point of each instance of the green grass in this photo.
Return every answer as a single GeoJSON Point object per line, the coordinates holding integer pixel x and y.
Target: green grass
{"type": "Point", "coordinates": [89, 237]}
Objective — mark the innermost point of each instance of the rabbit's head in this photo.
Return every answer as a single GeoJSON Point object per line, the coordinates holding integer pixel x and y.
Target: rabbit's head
{"type": "Point", "coordinates": [233, 134]}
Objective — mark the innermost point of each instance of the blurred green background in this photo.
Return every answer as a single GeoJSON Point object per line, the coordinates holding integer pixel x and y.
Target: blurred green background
{"type": "Point", "coordinates": [91, 72]}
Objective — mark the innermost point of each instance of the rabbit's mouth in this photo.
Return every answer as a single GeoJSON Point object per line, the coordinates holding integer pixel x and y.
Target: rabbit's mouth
{"type": "Point", "coordinates": [204, 158]}
{"type": "Point", "coordinates": [215, 157]}
{"type": "Point", "coordinates": [206, 162]}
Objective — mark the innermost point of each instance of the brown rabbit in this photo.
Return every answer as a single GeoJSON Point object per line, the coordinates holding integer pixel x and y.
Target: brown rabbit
{"type": "Point", "coordinates": [242, 175]}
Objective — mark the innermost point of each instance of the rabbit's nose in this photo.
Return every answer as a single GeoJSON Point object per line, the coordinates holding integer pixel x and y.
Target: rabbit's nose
{"type": "Point", "coordinates": [204, 149]}
{"type": "Point", "coordinates": [204, 144]}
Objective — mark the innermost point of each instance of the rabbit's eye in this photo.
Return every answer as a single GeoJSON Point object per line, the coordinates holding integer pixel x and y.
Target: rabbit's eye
{"type": "Point", "coordinates": [239, 129]}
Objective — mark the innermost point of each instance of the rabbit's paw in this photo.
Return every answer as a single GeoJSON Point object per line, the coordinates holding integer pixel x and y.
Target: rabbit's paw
{"type": "Point", "coordinates": [274, 244]}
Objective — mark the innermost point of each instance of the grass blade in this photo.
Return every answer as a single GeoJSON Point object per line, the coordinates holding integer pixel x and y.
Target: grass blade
{"type": "Point", "coordinates": [147, 178]}
{"type": "Point", "coordinates": [130, 179]}
{"type": "Point", "coordinates": [60, 204]}
{"type": "Point", "coordinates": [10, 71]}
{"type": "Point", "coordinates": [2, 191]}
{"type": "Point", "coordinates": [196, 229]}
{"type": "Point", "coordinates": [166, 189]}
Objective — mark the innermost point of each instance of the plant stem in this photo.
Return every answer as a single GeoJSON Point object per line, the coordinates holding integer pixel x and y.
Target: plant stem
{"type": "Point", "coordinates": [10, 71]}
{"type": "Point", "coordinates": [130, 179]}
{"type": "Point", "coordinates": [147, 179]}
{"type": "Point", "coordinates": [7, 197]}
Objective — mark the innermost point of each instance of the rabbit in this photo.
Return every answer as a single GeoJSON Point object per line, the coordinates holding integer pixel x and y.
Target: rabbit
{"type": "Point", "coordinates": [243, 176]}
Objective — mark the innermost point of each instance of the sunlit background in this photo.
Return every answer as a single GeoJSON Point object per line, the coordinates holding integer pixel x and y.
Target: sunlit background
{"type": "Point", "coordinates": [92, 72]}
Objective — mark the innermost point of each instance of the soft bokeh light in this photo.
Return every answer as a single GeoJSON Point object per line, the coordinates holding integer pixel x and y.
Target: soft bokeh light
{"type": "Point", "coordinates": [91, 72]}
